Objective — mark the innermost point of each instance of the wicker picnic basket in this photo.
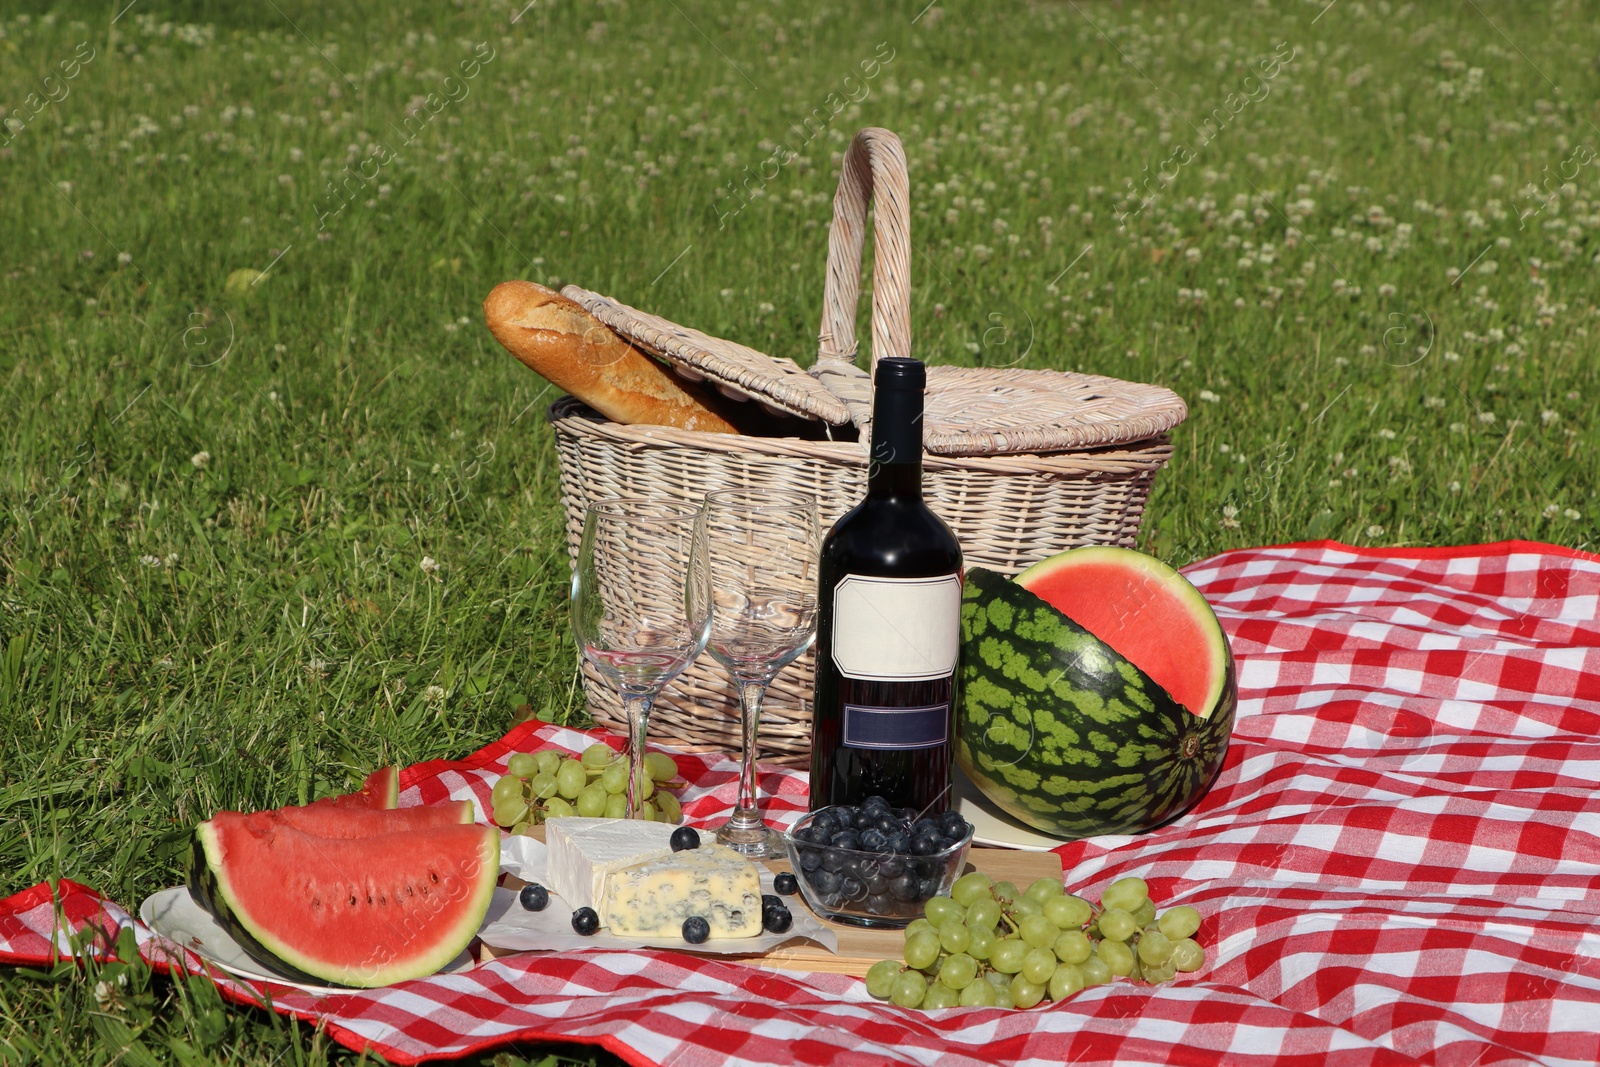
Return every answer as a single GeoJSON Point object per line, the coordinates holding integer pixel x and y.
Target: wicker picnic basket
{"type": "Point", "coordinates": [1020, 463]}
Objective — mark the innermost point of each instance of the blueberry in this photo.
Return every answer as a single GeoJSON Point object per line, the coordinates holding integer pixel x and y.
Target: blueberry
{"type": "Point", "coordinates": [852, 889]}
{"type": "Point", "coordinates": [925, 826]}
{"type": "Point", "coordinates": [825, 822]}
{"type": "Point", "coordinates": [810, 860]}
{"type": "Point", "coordinates": [847, 839]}
{"type": "Point", "coordinates": [891, 866]}
{"type": "Point", "coordinates": [925, 846]}
{"type": "Point", "coordinates": [776, 920]}
{"type": "Point", "coordinates": [900, 842]}
{"type": "Point", "coordinates": [860, 820]}
{"type": "Point", "coordinates": [585, 921]}
{"type": "Point", "coordinates": [888, 825]}
{"type": "Point", "coordinates": [881, 904]}
{"type": "Point", "coordinates": [905, 887]}
{"type": "Point", "coordinates": [929, 888]}
{"type": "Point", "coordinates": [696, 930]}
{"type": "Point", "coordinates": [786, 884]}
{"type": "Point", "coordinates": [534, 896]}
{"type": "Point", "coordinates": [833, 860]}
{"type": "Point", "coordinates": [876, 805]}
{"type": "Point", "coordinates": [684, 837]}
{"type": "Point", "coordinates": [953, 825]}
{"type": "Point", "coordinates": [770, 901]}
{"type": "Point", "coordinates": [877, 883]}
{"type": "Point", "coordinates": [826, 881]}
{"type": "Point", "coordinates": [873, 840]}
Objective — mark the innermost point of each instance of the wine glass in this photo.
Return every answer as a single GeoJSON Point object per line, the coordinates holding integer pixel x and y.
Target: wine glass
{"type": "Point", "coordinates": [640, 605]}
{"type": "Point", "coordinates": [761, 550]}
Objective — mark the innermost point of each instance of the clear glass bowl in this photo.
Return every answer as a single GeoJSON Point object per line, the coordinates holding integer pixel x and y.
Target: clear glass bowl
{"type": "Point", "coordinates": [862, 888]}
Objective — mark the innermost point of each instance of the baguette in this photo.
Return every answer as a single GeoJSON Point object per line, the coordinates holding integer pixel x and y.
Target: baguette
{"type": "Point", "coordinates": [575, 351]}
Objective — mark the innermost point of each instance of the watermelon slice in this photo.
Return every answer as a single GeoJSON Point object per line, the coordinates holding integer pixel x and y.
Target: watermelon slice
{"type": "Point", "coordinates": [381, 790]}
{"type": "Point", "coordinates": [1145, 610]}
{"type": "Point", "coordinates": [355, 911]}
{"type": "Point", "coordinates": [324, 820]}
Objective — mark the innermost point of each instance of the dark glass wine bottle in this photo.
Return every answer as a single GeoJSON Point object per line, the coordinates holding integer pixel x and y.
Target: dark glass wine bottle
{"type": "Point", "coordinates": [888, 624]}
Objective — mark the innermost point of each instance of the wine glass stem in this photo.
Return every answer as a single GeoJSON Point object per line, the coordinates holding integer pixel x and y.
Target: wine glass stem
{"type": "Point", "coordinates": [745, 812]}
{"type": "Point", "coordinates": [636, 703]}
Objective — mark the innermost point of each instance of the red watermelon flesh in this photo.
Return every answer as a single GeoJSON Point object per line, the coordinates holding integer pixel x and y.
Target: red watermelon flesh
{"type": "Point", "coordinates": [323, 820]}
{"type": "Point", "coordinates": [1143, 609]}
{"type": "Point", "coordinates": [381, 790]}
{"type": "Point", "coordinates": [366, 911]}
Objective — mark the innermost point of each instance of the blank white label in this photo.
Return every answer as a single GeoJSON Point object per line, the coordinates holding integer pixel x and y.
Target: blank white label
{"type": "Point", "coordinates": [896, 629]}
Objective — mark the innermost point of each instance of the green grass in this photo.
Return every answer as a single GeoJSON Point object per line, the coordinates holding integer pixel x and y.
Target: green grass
{"type": "Point", "coordinates": [180, 633]}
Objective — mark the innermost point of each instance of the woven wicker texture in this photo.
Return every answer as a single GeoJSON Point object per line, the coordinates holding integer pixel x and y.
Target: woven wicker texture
{"type": "Point", "coordinates": [741, 373]}
{"type": "Point", "coordinates": [1007, 512]}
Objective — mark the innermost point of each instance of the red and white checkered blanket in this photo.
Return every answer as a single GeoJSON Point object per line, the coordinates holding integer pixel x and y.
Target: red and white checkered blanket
{"type": "Point", "coordinates": [1400, 861]}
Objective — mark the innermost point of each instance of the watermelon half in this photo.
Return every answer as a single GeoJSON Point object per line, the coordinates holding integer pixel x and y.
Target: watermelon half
{"type": "Point", "coordinates": [350, 910]}
{"type": "Point", "coordinates": [1098, 692]}
{"type": "Point", "coordinates": [381, 790]}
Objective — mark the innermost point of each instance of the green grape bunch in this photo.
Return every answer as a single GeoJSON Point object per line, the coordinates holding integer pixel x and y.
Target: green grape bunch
{"type": "Point", "coordinates": [551, 784]}
{"type": "Point", "coordinates": [989, 945]}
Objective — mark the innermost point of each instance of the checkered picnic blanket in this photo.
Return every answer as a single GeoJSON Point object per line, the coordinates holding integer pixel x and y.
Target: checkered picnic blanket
{"type": "Point", "coordinates": [1399, 863]}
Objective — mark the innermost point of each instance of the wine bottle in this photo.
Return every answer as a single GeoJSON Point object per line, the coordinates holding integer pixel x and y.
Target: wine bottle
{"type": "Point", "coordinates": [888, 623]}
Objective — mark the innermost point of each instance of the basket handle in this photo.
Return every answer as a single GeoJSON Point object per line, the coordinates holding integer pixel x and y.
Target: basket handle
{"type": "Point", "coordinates": [874, 173]}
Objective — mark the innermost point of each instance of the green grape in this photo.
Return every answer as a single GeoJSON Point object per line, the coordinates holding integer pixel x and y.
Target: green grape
{"type": "Point", "coordinates": [970, 888]}
{"type": "Point", "coordinates": [958, 971]}
{"type": "Point", "coordinates": [1067, 911]}
{"type": "Point", "coordinates": [648, 811]}
{"type": "Point", "coordinates": [510, 812]}
{"type": "Point", "coordinates": [1042, 889]}
{"type": "Point", "coordinates": [1095, 971]}
{"type": "Point", "coordinates": [1007, 956]}
{"type": "Point", "coordinates": [548, 760]}
{"type": "Point", "coordinates": [1073, 946]}
{"type": "Point", "coordinates": [909, 989]}
{"type": "Point", "coordinates": [521, 765]}
{"type": "Point", "coordinates": [558, 808]}
{"type": "Point", "coordinates": [1004, 892]}
{"type": "Point", "coordinates": [616, 806]}
{"type": "Point", "coordinates": [614, 779]}
{"type": "Point", "coordinates": [880, 976]}
{"type": "Point", "coordinates": [920, 924]}
{"type": "Point", "coordinates": [1156, 973]}
{"type": "Point", "coordinates": [1066, 980]}
{"type": "Point", "coordinates": [981, 943]}
{"type": "Point", "coordinates": [591, 803]}
{"type": "Point", "coordinates": [954, 935]}
{"type": "Point", "coordinates": [1154, 947]}
{"type": "Point", "coordinates": [647, 788]}
{"type": "Point", "coordinates": [1180, 922]}
{"type": "Point", "coordinates": [506, 788]}
{"type": "Point", "coordinates": [1117, 956]}
{"type": "Point", "coordinates": [1187, 955]}
{"type": "Point", "coordinates": [596, 756]}
{"type": "Point", "coordinates": [938, 909]}
{"type": "Point", "coordinates": [978, 995]}
{"type": "Point", "coordinates": [520, 828]}
{"type": "Point", "coordinates": [671, 810]}
{"type": "Point", "coordinates": [997, 979]}
{"type": "Point", "coordinates": [660, 766]}
{"type": "Point", "coordinates": [1125, 893]}
{"type": "Point", "coordinates": [1145, 914]}
{"type": "Point", "coordinates": [1038, 965]}
{"type": "Point", "coordinates": [570, 778]}
{"type": "Point", "coordinates": [1022, 907]}
{"type": "Point", "coordinates": [938, 996]}
{"type": "Point", "coordinates": [544, 786]}
{"type": "Point", "coordinates": [1116, 925]}
{"type": "Point", "coordinates": [984, 914]}
{"type": "Point", "coordinates": [1025, 994]}
{"type": "Point", "coordinates": [1039, 932]}
{"type": "Point", "coordinates": [1002, 996]}
{"type": "Point", "coordinates": [922, 949]}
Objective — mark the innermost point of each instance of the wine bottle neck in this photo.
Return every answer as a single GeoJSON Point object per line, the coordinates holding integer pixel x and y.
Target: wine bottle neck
{"type": "Point", "coordinates": [896, 465]}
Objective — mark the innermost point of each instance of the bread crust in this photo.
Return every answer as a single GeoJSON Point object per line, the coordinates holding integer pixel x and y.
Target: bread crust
{"type": "Point", "coordinates": [575, 351]}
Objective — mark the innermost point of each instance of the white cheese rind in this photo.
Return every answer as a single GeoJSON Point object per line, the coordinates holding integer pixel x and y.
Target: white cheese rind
{"type": "Point", "coordinates": [653, 897]}
{"type": "Point", "coordinates": [582, 852]}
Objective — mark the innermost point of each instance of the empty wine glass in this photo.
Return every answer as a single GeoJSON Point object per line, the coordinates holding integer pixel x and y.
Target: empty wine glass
{"type": "Point", "coordinates": [640, 605]}
{"type": "Point", "coordinates": [761, 550]}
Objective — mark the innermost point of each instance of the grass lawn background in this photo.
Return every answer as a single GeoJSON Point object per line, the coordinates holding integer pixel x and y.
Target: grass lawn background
{"type": "Point", "coordinates": [1370, 269]}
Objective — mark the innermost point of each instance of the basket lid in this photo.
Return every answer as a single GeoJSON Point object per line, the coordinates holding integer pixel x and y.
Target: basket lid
{"type": "Point", "coordinates": [988, 411]}
{"type": "Point", "coordinates": [737, 371]}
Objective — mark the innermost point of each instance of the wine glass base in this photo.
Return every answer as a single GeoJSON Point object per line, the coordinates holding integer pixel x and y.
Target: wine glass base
{"type": "Point", "coordinates": [753, 842]}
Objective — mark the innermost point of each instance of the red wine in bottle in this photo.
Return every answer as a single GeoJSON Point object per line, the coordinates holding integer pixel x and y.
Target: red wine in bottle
{"type": "Point", "coordinates": [888, 624]}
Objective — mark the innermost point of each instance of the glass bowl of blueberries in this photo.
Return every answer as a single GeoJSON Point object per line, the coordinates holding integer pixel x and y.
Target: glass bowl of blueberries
{"type": "Point", "coordinates": [874, 865]}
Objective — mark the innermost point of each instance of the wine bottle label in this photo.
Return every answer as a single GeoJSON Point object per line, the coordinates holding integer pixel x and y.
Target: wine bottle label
{"type": "Point", "coordinates": [896, 728]}
{"type": "Point", "coordinates": [896, 629]}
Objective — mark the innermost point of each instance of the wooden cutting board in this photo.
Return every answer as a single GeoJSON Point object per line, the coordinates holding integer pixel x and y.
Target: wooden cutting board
{"type": "Point", "coordinates": [860, 948]}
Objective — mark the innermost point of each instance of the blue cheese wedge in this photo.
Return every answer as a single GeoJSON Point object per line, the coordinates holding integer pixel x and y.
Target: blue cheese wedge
{"type": "Point", "coordinates": [584, 852]}
{"type": "Point", "coordinates": [652, 897]}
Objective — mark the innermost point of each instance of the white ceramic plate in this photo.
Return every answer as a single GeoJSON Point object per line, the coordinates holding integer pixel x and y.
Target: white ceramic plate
{"type": "Point", "coordinates": [991, 826]}
{"type": "Point", "coordinates": [174, 915]}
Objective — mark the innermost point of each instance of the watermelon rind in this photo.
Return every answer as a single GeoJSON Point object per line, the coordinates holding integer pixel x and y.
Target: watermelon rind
{"type": "Point", "coordinates": [1171, 583]}
{"type": "Point", "coordinates": [1066, 735]}
{"type": "Point", "coordinates": [380, 965]}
